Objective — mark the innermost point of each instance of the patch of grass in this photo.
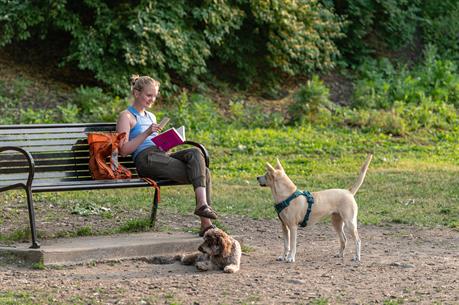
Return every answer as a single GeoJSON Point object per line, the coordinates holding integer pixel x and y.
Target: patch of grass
{"type": "Point", "coordinates": [18, 235]}
{"type": "Point", "coordinates": [16, 298]}
{"type": "Point", "coordinates": [171, 299]}
{"type": "Point", "coordinates": [247, 249]}
{"type": "Point", "coordinates": [319, 301]}
{"type": "Point", "coordinates": [38, 266]}
{"type": "Point", "coordinates": [393, 302]}
{"type": "Point", "coordinates": [135, 225]}
{"type": "Point", "coordinates": [89, 208]}
{"type": "Point", "coordinates": [84, 231]}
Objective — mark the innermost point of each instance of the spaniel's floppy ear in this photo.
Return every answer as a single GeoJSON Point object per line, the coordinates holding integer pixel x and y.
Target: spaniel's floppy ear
{"type": "Point", "coordinates": [279, 165]}
{"type": "Point", "coordinates": [269, 167]}
{"type": "Point", "coordinates": [224, 242]}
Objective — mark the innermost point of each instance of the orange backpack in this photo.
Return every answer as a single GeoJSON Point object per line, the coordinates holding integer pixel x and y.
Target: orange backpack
{"type": "Point", "coordinates": [101, 146]}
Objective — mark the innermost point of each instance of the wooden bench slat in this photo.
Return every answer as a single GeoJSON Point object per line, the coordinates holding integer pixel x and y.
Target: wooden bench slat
{"type": "Point", "coordinates": [58, 148]}
{"type": "Point", "coordinates": [59, 168]}
{"type": "Point", "coordinates": [41, 162]}
{"type": "Point", "coordinates": [100, 184]}
{"type": "Point", "coordinates": [64, 181]}
{"type": "Point", "coordinates": [6, 171]}
{"type": "Point", "coordinates": [6, 157]}
{"type": "Point", "coordinates": [42, 175]}
{"type": "Point", "coordinates": [42, 155]}
{"type": "Point", "coordinates": [46, 185]}
{"type": "Point", "coordinates": [58, 128]}
{"type": "Point", "coordinates": [81, 174]}
{"type": "Point", "coordinates": [46, 142]}
{"type": "Point", "coordinates": [5, 138]}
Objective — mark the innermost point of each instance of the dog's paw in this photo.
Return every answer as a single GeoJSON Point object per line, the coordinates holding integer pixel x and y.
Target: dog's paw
{"type": "Point", "coordinates": [202, 266]}
{"type": "Point", "coordinates": [281, 258]}
{"type": "Point", "coordinates": [356, 259]}
{"type": "Point", "coordinates": [290, 259]}
{"type": "Point", "coordinates": [231, 269]}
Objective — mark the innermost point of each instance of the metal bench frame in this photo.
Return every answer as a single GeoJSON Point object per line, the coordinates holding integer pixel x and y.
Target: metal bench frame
{"type": "Point", "coordinates": [28, 148]}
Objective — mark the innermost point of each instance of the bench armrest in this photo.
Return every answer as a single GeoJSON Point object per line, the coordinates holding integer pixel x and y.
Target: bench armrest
{"type": "Point", "coordinates": [203, 150]}
{"type": "Point", "coordinates": [31, 166]}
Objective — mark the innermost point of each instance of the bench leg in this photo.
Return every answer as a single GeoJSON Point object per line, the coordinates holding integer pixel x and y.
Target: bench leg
{"type": "Point", "coordinates": [154, 208]}
{"type": "Point", "coordinates": [35, 244]}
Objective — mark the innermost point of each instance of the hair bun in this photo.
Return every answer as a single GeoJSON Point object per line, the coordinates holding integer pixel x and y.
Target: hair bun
{"type": "Point", "coordinates": [134, 78]}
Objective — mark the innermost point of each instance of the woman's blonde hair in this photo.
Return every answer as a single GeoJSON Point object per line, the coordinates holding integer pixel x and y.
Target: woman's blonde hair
{"type": "Point", "coordinates": [140, 82]}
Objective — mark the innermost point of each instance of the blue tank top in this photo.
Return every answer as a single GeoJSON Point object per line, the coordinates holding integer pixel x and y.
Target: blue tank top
{"type": "Point", "coordinates": [143, 122]}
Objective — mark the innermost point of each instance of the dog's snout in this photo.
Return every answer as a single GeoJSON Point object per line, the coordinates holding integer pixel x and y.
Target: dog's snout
{"type": "Point", "coordinates": [261, 180]}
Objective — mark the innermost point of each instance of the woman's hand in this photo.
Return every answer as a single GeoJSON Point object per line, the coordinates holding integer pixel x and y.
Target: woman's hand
{"type": "Point", "coordinates": [154, 128]}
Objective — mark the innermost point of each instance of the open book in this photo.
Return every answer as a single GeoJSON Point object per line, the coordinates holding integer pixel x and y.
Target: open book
{"type": "Point", "coordinates": [170, 138]}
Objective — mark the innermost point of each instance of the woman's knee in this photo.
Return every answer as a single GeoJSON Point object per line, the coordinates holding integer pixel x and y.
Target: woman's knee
{"type": "Point", "coordinates": [196, 152]}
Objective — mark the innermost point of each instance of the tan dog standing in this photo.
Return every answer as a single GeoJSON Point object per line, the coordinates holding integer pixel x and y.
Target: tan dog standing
{"type": "Point", "coordinates": [339, 203]}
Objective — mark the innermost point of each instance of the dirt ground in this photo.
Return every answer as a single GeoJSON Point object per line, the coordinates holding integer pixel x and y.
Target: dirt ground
{"type": "Point", "coordinates": [400, 265]}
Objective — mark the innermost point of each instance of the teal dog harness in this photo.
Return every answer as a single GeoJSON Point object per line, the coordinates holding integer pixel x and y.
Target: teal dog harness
{"type": "Point", "coordinates": [285, 203]}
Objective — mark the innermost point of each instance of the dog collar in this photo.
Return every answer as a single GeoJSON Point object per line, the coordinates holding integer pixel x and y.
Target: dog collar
{"type": "Point", "coordinates": [285, 203]}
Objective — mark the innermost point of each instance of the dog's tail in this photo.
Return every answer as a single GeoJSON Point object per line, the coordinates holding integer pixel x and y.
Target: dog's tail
{"type": "Point", "coordinates": [363, 172]}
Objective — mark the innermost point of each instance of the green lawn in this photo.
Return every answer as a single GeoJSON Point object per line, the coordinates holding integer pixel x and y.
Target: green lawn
{"type": "Point", "coordinates": [412, 180]}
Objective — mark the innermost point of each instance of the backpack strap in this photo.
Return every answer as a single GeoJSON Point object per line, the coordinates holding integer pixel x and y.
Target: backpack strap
{"type": "Point", "coordinates": [156, 199]}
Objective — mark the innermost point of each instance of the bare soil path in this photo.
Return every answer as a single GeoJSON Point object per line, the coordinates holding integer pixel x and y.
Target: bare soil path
{"type": "Point", "coordinates": [400, 264]}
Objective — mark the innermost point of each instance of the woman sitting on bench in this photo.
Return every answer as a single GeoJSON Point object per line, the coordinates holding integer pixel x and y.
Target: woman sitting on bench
{"type": "Point", "coordinates": [185, 166]}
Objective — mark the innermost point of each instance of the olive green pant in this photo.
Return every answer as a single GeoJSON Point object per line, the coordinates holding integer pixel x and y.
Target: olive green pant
{"type": "Point", "coordinates": [184, 166]}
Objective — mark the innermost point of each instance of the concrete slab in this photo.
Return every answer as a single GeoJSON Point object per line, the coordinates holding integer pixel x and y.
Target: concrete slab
{"type": "Point", "coordinates": [70, 251]}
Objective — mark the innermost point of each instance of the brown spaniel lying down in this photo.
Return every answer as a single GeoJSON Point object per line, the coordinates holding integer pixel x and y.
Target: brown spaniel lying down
{"type": "Point", "coordinates": [219, 251]}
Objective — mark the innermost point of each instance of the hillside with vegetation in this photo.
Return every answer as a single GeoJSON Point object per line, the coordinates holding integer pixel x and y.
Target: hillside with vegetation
{"type": "Point", "coordinates": [316, 83]}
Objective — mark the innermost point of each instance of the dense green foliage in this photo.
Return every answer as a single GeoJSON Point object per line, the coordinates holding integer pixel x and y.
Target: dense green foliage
{"type": "Point", "coordinates": [381, 84]}
{"type": "Point", "coordinates": [183, 40]}
{"type": "Point", "coordinates": [379, 28]}
{"type": "Point", "coordinates": [193, 42]}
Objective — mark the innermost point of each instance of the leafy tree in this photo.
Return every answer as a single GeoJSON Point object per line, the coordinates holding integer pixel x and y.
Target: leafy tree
{"type": "Point", "coordinates": [180, 41]}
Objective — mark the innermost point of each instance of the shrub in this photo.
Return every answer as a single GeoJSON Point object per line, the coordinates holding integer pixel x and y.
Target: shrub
{"type": "Point", "coordinates": [308, 100]}
{"type": "Point", "coordinates": [38, 116]}
{"type": "Point", "coordinates": [377, 121]}
{"type": "Point", "coordinates": [440, 25]}
{"type": "Point", "coordinates": [244, 114]}
{"type": "Point", "coordinates": [94, 105]}
{"type": "Point", "coordinates": [374, 26]}
{"type": "Point", "coordinates": [381, 83]}
{"type": "Point", "coordinates": [402, 119]}
{"type": "Point", "coordinates": [195, 111]}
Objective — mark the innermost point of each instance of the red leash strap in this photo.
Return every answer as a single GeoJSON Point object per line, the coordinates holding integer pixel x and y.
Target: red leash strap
{"type": "Point", "coordinates": [155, 185]}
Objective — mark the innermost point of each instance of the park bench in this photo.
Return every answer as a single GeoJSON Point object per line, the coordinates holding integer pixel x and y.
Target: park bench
{"type": "Point", "coordinates": [54, 158]}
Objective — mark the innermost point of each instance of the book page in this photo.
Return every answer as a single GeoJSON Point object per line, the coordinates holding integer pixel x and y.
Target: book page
{"type": "Point", "coordinates": [169, 138]}
{"type": "Point", "coordinates": [181, 132]}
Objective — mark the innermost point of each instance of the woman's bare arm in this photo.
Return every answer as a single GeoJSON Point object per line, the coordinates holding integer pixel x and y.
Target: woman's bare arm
{"type": "Point", "coordinates": [128, 146]}
{"type": "Point", "coordinates": [124, 124]}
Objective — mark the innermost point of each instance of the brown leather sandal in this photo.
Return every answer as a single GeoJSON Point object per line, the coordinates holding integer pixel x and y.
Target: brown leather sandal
{"type": "Point", "coordinates": [201, 233]}
{"type": "Point", "coordinates": [205, 211]}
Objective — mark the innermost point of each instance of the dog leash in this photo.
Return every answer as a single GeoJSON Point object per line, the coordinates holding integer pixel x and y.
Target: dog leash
{"type": "Point", "coordinates": [285, 203]}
